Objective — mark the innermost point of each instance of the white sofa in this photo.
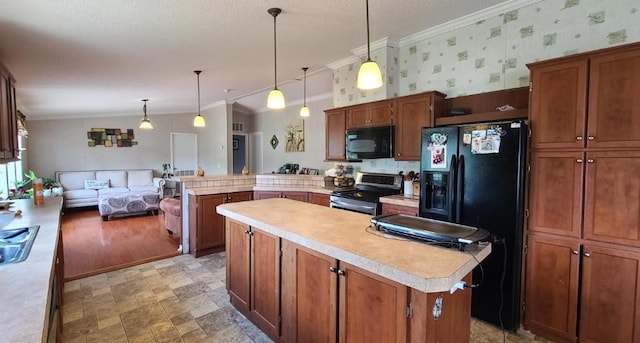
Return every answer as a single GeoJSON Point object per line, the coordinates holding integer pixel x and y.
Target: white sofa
{"type": "Point", "coordinates": [83, 188]}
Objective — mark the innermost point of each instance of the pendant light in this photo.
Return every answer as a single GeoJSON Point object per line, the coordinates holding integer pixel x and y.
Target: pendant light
{"type": "Point", "coordinates": [145, 124]}
{"type": "Point", "coordinates": [369, 75]}
{"type": "Point", "coordinates": [304, 111]}
{"type": "Point", "coordinates": [276, 98]}
{"type": "Point", "coordinates": [198, 120]}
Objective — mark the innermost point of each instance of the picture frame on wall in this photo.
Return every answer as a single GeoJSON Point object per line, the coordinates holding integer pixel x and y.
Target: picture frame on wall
{"type": "Point", "coordinates": [313, 171]}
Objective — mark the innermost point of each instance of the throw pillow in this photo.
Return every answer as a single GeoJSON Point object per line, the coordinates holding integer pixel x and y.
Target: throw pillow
{"type": "Point", "coordinates": [96, 184]}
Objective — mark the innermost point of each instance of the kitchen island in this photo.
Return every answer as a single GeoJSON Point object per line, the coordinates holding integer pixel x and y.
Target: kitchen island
{"type": "Point", "coordinates": [27, 287]}
{"type": "Point", "coordinates": [303, 272]}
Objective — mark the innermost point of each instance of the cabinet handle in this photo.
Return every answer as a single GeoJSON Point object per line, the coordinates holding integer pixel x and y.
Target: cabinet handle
{"type": "Point", "coordinates": [591, 138]}
{"type": "Point", "coordinates": [579, 138]}
{"type": "Point", "coordinates": [587, 254]}
{"type": "Point", "coordinates": [342, 272]}
{"type": "Point", "coordinates": [575, 252]}
{"type": "Point", "coordinates": [247, 232]}
{"type": "Point", "coordinates": [332, 269]}
{"type": "Point", "coordinates": [579, 160]}
{"type": "Point", "coordinates": [590, 160]}
{"type": "Point", "coordinates": [229, 197]}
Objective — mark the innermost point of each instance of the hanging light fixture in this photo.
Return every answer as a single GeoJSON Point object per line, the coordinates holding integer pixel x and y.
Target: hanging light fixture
{"type": "Point", "coordinates": [369, 75]}
{"type": "Point", "coordinates": [145, 124]}
{"type": "Point", "coordinates": [198, 120]}
{"type": "Point", "coordinates": [304, 111]}
{"type": "Point", "coordinates": [276, 98]}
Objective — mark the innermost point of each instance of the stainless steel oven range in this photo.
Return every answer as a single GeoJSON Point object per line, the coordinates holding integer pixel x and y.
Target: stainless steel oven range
{"type": "Point", "coordinates": [365, 197]}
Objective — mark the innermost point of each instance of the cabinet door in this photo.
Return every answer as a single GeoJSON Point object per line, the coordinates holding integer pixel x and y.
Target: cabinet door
{"type": "Point", "coordinates": [309, 295]}
{"type": "Point", "coordinates": [555, 193]}
{"type": "Point", "coordinates": [381, 113]}
{"type": "Point", "coordinates": [614, 104]}
{"type": "Point", "coordinates": [557, 113]}
{"type": "Point", "coordinates": [319, 199]}
{"type": "Point", "coordinates": [398, 209]}
{"type": "Point", "coordinates": [412, 114]}
{"type": "Point", "coordinates": [210, 224]}
{"type": "Point", "coordinates": [237, 250]}
{"type": "Point", "coordinates": [335, 135]}
{"type": "Point", "coordinates": [265, 282]}
{"type": "Point", "coordinates": [551, 287]}
{"type": "Point", "coordinates": [5, 107]}
{"type": "Point", "coordinates": [610, 293]}
{"type": "Point", "coordinates": [612, 197]}
{"type": "Point", "coordinates": [363, 292]}
{"type": "Point", "coordinates": [358, 116]}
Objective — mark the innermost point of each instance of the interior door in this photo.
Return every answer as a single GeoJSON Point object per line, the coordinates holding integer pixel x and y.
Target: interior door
{"type": "Point", "coordinates": [184, 153]}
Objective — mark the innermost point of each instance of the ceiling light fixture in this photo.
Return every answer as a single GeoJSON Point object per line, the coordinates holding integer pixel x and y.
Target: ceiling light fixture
{"type": "Point", "coordinates": [276, 98]}
{"type": "Point", "coordinates": [145, 124]}
{"type": "Point", "coordinates": [369, 75]}
{"type": "Point", "coordinates": [198, 120]}
{"type": "Point", "coordinates": [304, 111]}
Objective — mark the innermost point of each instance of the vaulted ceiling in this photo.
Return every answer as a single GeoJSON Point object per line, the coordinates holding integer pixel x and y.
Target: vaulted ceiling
{"type": "Point", "coordinates": [78, 58]}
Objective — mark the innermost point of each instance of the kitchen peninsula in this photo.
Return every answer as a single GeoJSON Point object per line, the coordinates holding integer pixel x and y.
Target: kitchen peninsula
{"type": "Point", "coordinates": [302, 271]}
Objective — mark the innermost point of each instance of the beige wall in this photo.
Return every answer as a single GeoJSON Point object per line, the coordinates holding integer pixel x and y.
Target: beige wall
{"type": "Point", "coordinates": [61, 144]}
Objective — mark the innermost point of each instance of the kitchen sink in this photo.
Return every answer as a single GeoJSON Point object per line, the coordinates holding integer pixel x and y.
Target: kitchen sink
{"type": "Point", "coordinates": [15, 244]}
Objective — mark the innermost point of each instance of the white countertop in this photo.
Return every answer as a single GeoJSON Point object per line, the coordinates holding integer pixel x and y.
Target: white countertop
{"type": "Point", "coordinates": [347, 236]}
{"type": "Point", "coordinates": [25, 286]}
{"type": "Point", "coordinates": [251, 188]}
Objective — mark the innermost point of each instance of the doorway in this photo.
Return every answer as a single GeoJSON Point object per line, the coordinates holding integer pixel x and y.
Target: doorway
{"type": "Point", "coordinates": [184, 153]}
{"type": "Point", "coordinates": [240, 152]}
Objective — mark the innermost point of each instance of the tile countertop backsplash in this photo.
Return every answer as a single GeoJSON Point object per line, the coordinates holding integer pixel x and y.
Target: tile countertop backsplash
{"type": "Point", "coordinates": [252, 180]}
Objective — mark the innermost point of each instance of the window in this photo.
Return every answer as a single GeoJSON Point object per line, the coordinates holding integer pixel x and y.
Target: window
{"type": "Point", "coordinates": [11, 172]}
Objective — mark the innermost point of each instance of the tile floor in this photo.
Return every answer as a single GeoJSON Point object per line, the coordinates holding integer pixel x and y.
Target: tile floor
{"type": "Point", "coordinates": [180, 299]}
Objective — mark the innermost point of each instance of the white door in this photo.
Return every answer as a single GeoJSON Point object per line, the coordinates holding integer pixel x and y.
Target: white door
{"type": "Point", "coordinates": [184, 153]}
{"type": "Point", "coordinates": [255, 153]}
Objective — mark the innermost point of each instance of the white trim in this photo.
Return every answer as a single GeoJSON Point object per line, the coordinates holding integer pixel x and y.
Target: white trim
{"type": "Point", "coordinates": [343, 62]}
{"type": "Point", "coordinates": [379, 44]}
{"type": "Point", "coordinates": [466, 20]}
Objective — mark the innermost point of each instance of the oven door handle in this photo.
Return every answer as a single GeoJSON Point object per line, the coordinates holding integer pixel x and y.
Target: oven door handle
{"type": "Point", "coordinates": [352, 207]}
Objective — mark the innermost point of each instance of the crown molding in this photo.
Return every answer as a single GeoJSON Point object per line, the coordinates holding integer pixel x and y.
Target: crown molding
{"type": "Point", "coordinates": [343, 62]}
{"type": "Point", "coordinates": [360, 51]}
{"type": "Point", "coordinates": [466, 20]}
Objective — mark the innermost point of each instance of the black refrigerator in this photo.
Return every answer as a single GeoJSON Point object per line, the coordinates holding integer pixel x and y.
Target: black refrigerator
{"type": "Point", "coordinates": [474, 175]}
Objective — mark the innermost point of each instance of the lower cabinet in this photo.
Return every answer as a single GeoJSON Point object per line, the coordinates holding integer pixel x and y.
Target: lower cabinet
{"type": "Point", "coordinates": [319, 199]}
{"type": "Point", "coordinates": [253, 277]}
{"type": "Point", "coordinates": [206, 226]}
{"type": "Point", "coordinates": [320, 292]}
{"type": "Point", "coordinates": [590, 291]}
{"type": "Point", "coordinates": [399, 209]}
{"type": "Point", "coordinates": [299, 196]}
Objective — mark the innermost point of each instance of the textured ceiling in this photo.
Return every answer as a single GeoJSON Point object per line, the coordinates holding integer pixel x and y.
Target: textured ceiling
{"type": "Point", "coordinates": [77, 58]}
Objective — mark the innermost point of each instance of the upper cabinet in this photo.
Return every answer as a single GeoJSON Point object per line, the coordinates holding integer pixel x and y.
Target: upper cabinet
{"type": "Point", "coordinates": [412, 114]}
{"type": "Point", "coordinates": [379, 113]}
{"type": "Point", "coordinates": [335, 121]}
{"type": "Point", "coordinates": [8, 117]}
{"type": "Point", "coordinates": [587, 101]}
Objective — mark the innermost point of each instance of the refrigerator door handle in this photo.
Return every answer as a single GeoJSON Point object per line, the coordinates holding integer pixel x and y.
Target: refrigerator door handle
{"type": "Point", "coordinates": [451, 192]}
{"type": "Point", "coordinates": [459, 188]}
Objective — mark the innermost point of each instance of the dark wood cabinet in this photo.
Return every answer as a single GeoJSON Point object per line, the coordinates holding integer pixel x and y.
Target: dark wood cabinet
{"type": "Point", "coordinates": [588, 100]}
{"type": "Point", "coordinates": [412, 113]}
{"type": "Point", "coordinates": [319, 199]}
{"type": "Point", "coordinates": [563, 273]}
{"type": "Point", "coordinates": [335, 134]}
{"type": "Point", "coordinates": [253, 279]}
{"type": "Point", "coordinates": [399, 209]}
{"type": "Point", "coordinates": [555, 192]}
{"type": "Point", "coordinates": [379, 113]}
{"type": "Point", "coordinates": [320, 292]}
{"type": "Point", "coordinates": [8, 117]}
{"type": "Point", "coordinates": [299, 196]}
{"type": "Point", "coordinates": [206, 226]}
{"type": "Point", "coordinates": [584, 197]}
{"type": "Point", "coordinates": [551, 293]}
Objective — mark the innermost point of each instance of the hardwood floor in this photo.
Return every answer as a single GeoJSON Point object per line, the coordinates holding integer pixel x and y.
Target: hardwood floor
{"type": "Point", "coordinates": [93, 246]}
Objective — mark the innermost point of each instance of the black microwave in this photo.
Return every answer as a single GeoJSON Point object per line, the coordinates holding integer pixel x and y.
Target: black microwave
{"type": "Point", "coordinates": [370, 142]}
